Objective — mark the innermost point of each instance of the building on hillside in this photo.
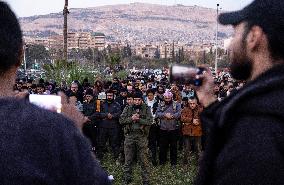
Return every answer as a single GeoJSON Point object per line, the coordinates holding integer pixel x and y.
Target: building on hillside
{"type": "Point", "coordinates": [169, 50]}
{"type": "Point", "coordinates": [147, 51]}
{"type": "Point", "coordinates": [56, 42]}
{"type": "Point", "coordinates": [98, 41]}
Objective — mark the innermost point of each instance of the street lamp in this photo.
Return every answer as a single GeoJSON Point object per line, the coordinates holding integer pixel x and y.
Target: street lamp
{"type": "Point", "coordinates": [216, 44]}
{"type": "Point", "coordinates": [25, 61]}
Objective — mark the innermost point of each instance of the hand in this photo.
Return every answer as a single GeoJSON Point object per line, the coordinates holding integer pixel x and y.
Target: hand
{"type": "Point", "coordinates": [196, 122]}
{"type": "Point", "coordinates": [135, 117]}
{"type": "Point", "coordinates": [21, 95]}
{"type": "Point", "coordinates": [109, 116]}
{"type": "Point", "coordinates": [72, 100]}
{"type": "Point", "coordinates": [205, 92]}
{"type": "Point", "coordinates": [70, 111]}
{"type": "Point", "coordinates": [88, 119]}
{"type": "Point", "coordinates": [169, 116]}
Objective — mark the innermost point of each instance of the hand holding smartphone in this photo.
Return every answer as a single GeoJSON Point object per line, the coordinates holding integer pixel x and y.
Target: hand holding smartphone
{"type": "Point", "coordinates": [49, 102]}
{"type": "Point", "coordinates": [59, 104]}
{"type": "Point", "coordinates": [184, 74]}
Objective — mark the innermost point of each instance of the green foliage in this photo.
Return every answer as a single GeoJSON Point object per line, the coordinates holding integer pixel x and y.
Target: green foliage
{"type": "Point", "coordinates": [114, 59]}
{"type": "Point", "coordinates": [122, 74]}
{"type": "Point", "coordinates": [36, 53]}
{"type": "Point", "coordinates": [160, 175]}
{"type": "Point", "coordinates": [61, 70]}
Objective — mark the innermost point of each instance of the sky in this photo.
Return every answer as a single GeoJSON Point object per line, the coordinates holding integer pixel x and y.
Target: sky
{"type": "Point", "coordinates": [24, 8]}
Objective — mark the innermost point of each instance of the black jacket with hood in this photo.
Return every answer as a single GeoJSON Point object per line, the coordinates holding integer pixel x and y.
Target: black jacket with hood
{"type": "Point", "coordinates": [245, 145]}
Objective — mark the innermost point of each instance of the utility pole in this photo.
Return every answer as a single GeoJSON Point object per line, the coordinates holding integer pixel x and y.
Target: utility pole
{"type": "Point", "coordinates": [25, 60]}
{"type": "Point", "coordinates": [65, 34]}
{"type": "Point", "coordinates": [216, 44]}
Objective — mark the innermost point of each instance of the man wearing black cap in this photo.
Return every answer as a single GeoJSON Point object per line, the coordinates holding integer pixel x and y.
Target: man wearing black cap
{"type": "Point", "coordinates": [89, 109]}
{"type": "Point", "coordinates": [108, 126]}
{"type": "Point", "coordinates": [245, 143]}
{"type": "Point", "coordinates": [136, 120]}
{"type": "Point", "coordinates": [121, 99]}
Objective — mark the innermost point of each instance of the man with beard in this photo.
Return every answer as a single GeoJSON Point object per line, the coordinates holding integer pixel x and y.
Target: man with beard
{"type": "Point", "coordinates": [136, 120]}
{"type": "Point", "coordinates": [159, 93]}
{"type": "Point", "coordinates": [89, 109]}
{"type": "Point", "coordinates": [74, 90]}
{"type": "Point", "coordinates": [121, 99]}
{"type": "Point", "coordinates": [245, 143]}
{"type": "Point", "coordinates": [191, 129]}
{"type": "Point", "coordinates": [108, 126]}
{"type": "Point", "coordinates": [168, 113]}
{"type": "Point", "coordinates": [154, 129]}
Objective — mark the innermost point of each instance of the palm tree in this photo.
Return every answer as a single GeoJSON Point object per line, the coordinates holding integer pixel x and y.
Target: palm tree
{"type": "Point", "coordinates": [65, 13]}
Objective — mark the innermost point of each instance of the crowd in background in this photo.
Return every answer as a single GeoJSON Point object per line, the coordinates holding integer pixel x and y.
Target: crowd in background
{"type": "Point", "coordinates": [175, 112]}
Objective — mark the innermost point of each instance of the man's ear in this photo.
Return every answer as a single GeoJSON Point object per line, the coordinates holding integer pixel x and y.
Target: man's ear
{"type": "Point", "coordinates": [255, 38]}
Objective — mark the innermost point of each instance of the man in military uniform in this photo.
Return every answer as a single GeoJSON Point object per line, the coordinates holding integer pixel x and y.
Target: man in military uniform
{"type": "Point", "coordinates": [136, 120]}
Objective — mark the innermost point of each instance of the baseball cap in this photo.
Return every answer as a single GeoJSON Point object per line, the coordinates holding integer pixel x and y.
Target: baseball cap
{"type": "Point", "coordinates": [268, 14]}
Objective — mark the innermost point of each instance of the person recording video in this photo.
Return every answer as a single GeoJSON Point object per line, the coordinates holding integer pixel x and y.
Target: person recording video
{"type": "Point", "coordinates": [38, 146]}
{"type": "Point", "coordinates": [246, 130]}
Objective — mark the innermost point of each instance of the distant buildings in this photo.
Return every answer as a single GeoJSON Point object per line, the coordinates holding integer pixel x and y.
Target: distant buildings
{"type": "Point", "coordinates": [147, 51]}
{"type": "Point", "coordinates": [76, 40]}
{"type": "Point", "coordinates": [159, 50]}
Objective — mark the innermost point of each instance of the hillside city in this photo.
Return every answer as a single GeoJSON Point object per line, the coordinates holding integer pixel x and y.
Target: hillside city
{"type": "Point", "coordinates": [148, 31]}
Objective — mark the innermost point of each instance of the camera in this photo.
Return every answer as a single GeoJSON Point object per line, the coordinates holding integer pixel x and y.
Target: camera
{"type": "Point", "coordinates": [48, 102]}
{"type": "Point", "coordinates": [184, 74]}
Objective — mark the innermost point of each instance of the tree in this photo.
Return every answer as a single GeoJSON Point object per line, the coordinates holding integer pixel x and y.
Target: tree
{"type": "Point", "coordinates": [114, 60]}
{"type": "Point", "coordinates": [67, 71]}
{"type": "Point", "coordinates": [36, 53]}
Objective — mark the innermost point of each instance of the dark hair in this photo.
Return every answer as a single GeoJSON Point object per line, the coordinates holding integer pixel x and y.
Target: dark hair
{"type": "Point", "coordinates": [110, 91]}
{"type": "Point", "coordinates": [150, 91]}
{"type": "Point", "coordinates": [10, 38]}
{"type": "Point", "coordinates": [129, 95]}
{"type": "Point", "coordinates": [41, 86]}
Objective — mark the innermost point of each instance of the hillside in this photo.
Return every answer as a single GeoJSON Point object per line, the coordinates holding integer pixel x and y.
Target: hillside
{"type": "Point", "coordinates": [136, 22]}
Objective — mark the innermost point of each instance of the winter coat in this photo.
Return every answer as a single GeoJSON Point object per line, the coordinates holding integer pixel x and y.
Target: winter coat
{"type": "Point", "coordinates": [191, 124]}
{"type": "Point", "coordinates": [245, 145]}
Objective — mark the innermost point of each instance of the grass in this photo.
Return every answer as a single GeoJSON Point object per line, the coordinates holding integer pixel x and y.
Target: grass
{"type": "Point", "coordinates": [160, 175]}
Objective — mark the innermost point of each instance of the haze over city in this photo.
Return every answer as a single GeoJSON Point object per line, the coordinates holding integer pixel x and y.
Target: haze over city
{"type": "Point", "coordinates": [26, 8]}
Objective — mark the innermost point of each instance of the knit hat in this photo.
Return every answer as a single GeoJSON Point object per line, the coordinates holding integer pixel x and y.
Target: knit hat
{"type": "Point", "coordinates": [168, 94]}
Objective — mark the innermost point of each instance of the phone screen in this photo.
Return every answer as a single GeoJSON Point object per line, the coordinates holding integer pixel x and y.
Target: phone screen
{"type": "Point", "coordinates": [48, 102]}
{"type": "Point", "coordinates": [183, 74]}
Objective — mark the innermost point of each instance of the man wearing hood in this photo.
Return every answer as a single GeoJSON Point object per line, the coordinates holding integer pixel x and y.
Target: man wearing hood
{"type": "Point", "coordinates": [246, 130]}
{"type": "Point", "coordinates": [38, 146]}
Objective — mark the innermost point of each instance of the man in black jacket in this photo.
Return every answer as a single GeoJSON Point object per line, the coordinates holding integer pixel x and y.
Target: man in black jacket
{"type": "Point", "coordinates": [246, 130]}
{"type": "Point", "coordinates": [38, 146]}
{"type": "Point", "coordinates": [108, 126]}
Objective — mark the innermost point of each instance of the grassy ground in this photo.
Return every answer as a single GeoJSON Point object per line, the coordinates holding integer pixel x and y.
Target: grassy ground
{"type": "Point", "coordinates": [160, 175]}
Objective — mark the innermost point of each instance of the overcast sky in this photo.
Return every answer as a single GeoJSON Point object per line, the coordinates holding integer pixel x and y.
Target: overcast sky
{"type": "Point", "coordinates": [25, 8]}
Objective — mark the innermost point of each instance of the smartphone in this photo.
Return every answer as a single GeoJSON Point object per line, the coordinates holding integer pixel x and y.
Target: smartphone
{"type": "Point", "coordinates": [184, 74]}
{"type": "Point", "coordinates": [48, 102]}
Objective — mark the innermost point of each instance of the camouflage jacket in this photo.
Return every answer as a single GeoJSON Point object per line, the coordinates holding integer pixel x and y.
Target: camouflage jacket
{"type": "Point", "coordinates": [143, 125]}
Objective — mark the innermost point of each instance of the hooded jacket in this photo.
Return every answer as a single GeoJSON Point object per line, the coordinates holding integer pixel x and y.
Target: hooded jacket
{"type": "Point", "coordinates": [245, 143]}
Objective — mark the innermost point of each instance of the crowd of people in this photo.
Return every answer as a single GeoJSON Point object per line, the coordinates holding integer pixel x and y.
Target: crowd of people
{"type": "Point", "coordinates": [140, 118]}
{"type": "Point", "coordinates": [241, 125]}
